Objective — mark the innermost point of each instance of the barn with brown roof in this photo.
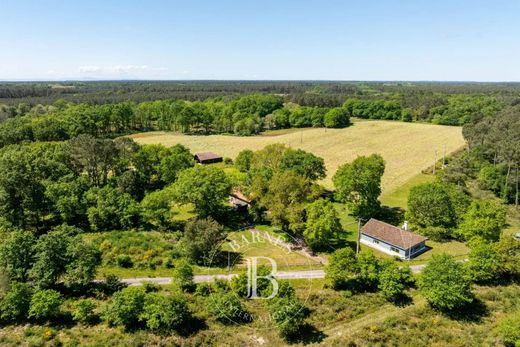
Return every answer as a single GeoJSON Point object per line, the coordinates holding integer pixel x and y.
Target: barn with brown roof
{"type": "Point", "coordinates": [392, 240]}
{"type": "Point", "coordinates": [207, 158]}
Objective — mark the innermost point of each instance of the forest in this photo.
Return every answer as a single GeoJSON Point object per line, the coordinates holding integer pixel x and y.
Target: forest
{"type": "Point", "coordinates": [41, 112]}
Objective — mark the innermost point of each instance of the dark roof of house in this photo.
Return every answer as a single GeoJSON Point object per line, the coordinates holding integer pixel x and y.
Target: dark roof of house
{"type": "Point", "coordinates": [204, 156]}
{"type": "Point", "coordinates": [390, 234]}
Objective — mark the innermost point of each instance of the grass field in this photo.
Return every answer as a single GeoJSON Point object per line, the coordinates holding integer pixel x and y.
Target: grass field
{"type": "Point", "coordinates": [407, 148]}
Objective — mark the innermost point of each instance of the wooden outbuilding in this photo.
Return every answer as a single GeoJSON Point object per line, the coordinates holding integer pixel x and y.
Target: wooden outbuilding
{"type": "Point", "coordinates": [208, 158]}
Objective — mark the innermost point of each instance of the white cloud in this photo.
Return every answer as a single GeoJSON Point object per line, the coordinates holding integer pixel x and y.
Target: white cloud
{"type": "Point", "coordinates": [127, 70]}
{"type": "Point", "coordinates": [89, 69]}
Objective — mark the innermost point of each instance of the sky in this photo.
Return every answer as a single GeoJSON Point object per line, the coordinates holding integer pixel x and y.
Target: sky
{"type": "Point", "coordinates": [383, 40]}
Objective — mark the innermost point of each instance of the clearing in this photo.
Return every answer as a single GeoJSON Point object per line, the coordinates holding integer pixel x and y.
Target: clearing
{"type": "Point", "coordinates": [408, 148]}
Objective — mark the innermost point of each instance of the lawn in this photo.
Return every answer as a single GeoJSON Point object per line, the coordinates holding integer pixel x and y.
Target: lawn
{"type": "Point", "coordinates": [407, 148]}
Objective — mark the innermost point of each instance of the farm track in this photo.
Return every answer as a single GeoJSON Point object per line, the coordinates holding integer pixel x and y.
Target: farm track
{"type": "Point", "coordinates": [308, 274]}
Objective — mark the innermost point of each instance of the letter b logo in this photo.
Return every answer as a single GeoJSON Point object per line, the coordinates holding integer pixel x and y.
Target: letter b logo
{"type": "Point", "coordinates": [252, 278]}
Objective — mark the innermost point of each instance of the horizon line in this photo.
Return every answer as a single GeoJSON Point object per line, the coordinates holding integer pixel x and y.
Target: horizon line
{"type": "Point", "coordinates": [72, 80]}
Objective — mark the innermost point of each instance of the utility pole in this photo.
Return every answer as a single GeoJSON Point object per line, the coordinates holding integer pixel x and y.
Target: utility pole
{"type": "Point", "coordinates": [358, 235]}
{"type": "Point", "coordinates": [228, 262]}
{"type": "Point", "coordinates": [435, 162]}
{"type": "Point", "coordinates": [444, 157]}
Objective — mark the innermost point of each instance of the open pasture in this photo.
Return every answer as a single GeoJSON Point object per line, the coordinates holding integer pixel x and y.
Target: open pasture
{"type": "Point", "coordinates": [408, 148]}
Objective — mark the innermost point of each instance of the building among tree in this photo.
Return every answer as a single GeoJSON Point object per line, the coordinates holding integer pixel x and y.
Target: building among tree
{"type": "Point", "coordinates": [392, 240]}
{"type": "Point", "coordinates": [239, 201]}
{"type": "Point", "coordinates": [208, 158]}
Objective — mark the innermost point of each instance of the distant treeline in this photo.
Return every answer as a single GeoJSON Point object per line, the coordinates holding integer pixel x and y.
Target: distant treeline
{"type": "Point", "coordinates": [244, 115]}
{"type": "Point", "coordinates": [305, 93]}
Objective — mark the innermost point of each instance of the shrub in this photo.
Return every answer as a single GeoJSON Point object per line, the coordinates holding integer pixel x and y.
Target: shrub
{"type": "Point", "coordinates": [484, 263]}
{"type": "Point", "coordinates": [369, 268]}
{"type": "Point", "coordinates": [342, 268]}
{"type": "Point", "coordinates": [436, 233]}
{"type": "Point", "coordinates": [45, 305]}
{"type": "Point", "coordinates": [112, 284]}
{"type": "Point", "coordinates": [484, 219]}
{"type": "Point", "coordinates": [264, 287]}
{"type": "Point", "coordinates": [150, 287]}
{"type": "Point", "coordinates": [203, 289]}
{"type": "Point", "coordinates": [288, 316]}
{"type": "Point", "coordinates": [83, 311]}
{"type": "Point", "coordinates": [227, 308]}
{"type": "Point", "coordinates": [445, 283]}
{"type": "Point", "coordinates": [125, 308]}
{"type": "Point", "coordinates": [393, 281]}
{"type": "Point", "coordinates": [124, 261]}
{"type": "Point", "coordinates": [183, 275]}
{"type": "Point", "coordinates": [15, 304]}
{"type": "Point", "coordinates": [165, 313]}
{"type": "Point", "coordinates": [202, 240]}
{"type": "Point", "coordinates": [243, 160]}
{"type": "Point", "coordinates": [509, 329]}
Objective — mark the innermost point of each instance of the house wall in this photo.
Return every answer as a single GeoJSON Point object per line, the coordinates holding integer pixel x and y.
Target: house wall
{"type": "Point", "coordinates": [382, 246]}
{"type": "Point", "coordinates": [416, 250]}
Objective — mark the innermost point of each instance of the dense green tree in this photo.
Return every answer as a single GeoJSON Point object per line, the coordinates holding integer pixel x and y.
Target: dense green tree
{"type": "Point", "coordinates": [484, 264]}
{"type": "Point", "coordinates": [156, 209]}
{"type": "Point", "coordinates": [288, 317]}
{"type": "Point", "coordinates": [67, 196]}
{"type": "Point", "coordinates": [45, 305]}
{"type": "Point", "coordinates": [202, 240]}
{"type": "Point", "coordinates": [51, 257]}
{"type": "Point", "coordinates": [322, 226]}
{"type": "Point", "coordinates": [96, 157]}
{"type": "Point", "coordinates": [336, 118]}
{"type": "Point", "coordinates": [369, 268]}
{"type": "Point", "coordinates": [359, 185]}
{"type": "Point", "coordinates": [126, 307]}
{"type": "Point", "coordinates": [15, 304]}
{"type": "Point", "coordinates": [183, 275]}
{"type": "Point", "coordinates": [342, 269]}
{"type": "Point", "coordinates": [62, 254]}
{"type": "Point", "coordinates": [109, 209]}
{"type": "Point", "coordinates": [163, 313]}
{"type": "Point", "coordinates": [84, 311]}
{"type": "Point", "coordinates": [206, 187]}
{"type": "Point", "coordinates": [431, 206]}
{"type": "Point", "coordinates": [303, 163]}
{"type": "Point", "coordinates": [484, 219]}
{"type": "Point", "coordinates": [243, 160]}
{"type": "Point", "coordinates": [17, 255]}
{"type": "Point", "coordinates": [508, 249]}
{"type": "Point", "coordinates": [445, 283]}
{"type": "Point", "coordinates": [268, 160]}
{"type": "Point", "coordinates": [147, 161]}
{"type": "Point", "coordinates": [179, 158]}
{"type": "Point", "coordinates": [393, 280]}
{"type": "Point", "coordinates": [285, 198]}
{"type": "Point", "coordinates": [84, 259]}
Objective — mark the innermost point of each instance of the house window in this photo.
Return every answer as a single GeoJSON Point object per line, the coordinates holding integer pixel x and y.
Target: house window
{"type": "Point", "coordinates": [375, 241]}
{"type": "Point", "coordinates": [393, 249]}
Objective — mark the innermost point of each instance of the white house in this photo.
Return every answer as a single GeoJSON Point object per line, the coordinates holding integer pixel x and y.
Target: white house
{"type": "Point", "coordinates": [392, 240]}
